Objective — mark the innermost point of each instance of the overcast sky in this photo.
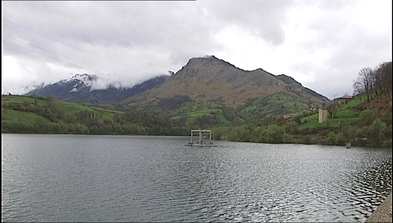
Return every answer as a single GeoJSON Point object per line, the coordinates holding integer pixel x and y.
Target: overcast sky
{"type": "Point", "coordinates": [320, 43]}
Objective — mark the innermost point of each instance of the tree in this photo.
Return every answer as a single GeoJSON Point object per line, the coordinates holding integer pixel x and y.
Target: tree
{"type": "Point", "coordinates": [383, 78]}
{"type": "Point", "coordinates": [94, 130]}
{"type": "Point", "coordinates": [364, 82]}
{"type": "Point", "coordinates": [280, 120]}
{"type": "Point", "coordinates": [332, 138]}
{"type": "Point", "coordinates": [270, 134]}
{"type": "Point", "coordinates": [255, 134]}
{"type": "Point", "coordinates": [368, 116]}
{"type": "Point", "coordinates": [349, 133]}
{"type": "Point", "coordinates": [117, 129]}
{"type": "Point", "coordinates": [376, 81]}
{"type": "Point", "coordinates": [241, 134]}
{"type": "Point", "coordinates": [376, 132]}
{"type": "Point", "coordinates": [333, 108]}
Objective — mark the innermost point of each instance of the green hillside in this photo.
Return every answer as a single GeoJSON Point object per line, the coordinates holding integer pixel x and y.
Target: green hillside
{"type": "Point", "coordinates": [27, 114]}
{"type": "Point", "coordinates": [347, 114]}
{"type": "Point", "coordinates": [358, 121]}
{"type": "Point", "coordinates": [274, 105]}
{"type": "Point", "coordinates": [213, 113]}
{"type": "Point", "coordinates": [200, 114]}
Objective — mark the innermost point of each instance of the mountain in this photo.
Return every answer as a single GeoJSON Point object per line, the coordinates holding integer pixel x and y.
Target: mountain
{"type": "Point", "coordinates": [79, 88]}
{"type": "Point", "coordinates": [213, 79]}
{"type": "Point", "coordinates": [207, 91]}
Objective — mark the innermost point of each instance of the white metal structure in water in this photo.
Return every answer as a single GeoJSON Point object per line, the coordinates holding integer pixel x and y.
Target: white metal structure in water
{"type": "Point", "coordinates": [201, 138]}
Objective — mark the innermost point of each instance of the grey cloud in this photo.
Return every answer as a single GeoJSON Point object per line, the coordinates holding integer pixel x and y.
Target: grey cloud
{"type": "Point", "coordinates": [144, 39]}
{"type": "Point", "coordinates": [261, 18]}
{"type": "Point", "coordinates": [131, 24]}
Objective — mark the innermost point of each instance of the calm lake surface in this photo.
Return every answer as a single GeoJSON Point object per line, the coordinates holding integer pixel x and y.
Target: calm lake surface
{"type": "Point", "coordinates": [149, 179]}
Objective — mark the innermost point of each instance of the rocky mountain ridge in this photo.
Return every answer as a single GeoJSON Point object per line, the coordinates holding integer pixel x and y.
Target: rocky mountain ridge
{"type": "Point", "coordinates": [213, 79]}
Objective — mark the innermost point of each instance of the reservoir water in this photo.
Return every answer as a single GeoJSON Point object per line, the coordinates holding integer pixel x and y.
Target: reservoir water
{"type": "Point", "coordinates": [155, 179]}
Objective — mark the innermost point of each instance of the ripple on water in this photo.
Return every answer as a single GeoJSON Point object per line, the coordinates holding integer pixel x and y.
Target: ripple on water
{"type": "Point", "coordinates": [149, 179]}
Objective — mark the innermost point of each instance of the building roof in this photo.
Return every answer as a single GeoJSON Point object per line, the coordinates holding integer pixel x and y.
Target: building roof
{"type": "Point", "coordinates": [344, 97]}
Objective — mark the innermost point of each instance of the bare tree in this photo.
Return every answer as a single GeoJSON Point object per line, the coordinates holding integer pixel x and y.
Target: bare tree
{"type": "Point", "coordinates": [364, 82]}
{"type": "Point", "coordinates": [385, 71]}
{"type": "Point", "coordinates": [358, 87]}
{"type": "Point", "coordinates": [376, 81]}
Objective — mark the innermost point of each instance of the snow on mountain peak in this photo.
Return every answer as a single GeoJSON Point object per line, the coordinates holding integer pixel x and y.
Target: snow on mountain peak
{"type": "Point", "coordinates": [84, 78]}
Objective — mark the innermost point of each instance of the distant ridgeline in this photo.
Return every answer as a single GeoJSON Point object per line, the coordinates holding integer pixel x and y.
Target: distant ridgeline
{"type": "Point", "coordinates": [79, 89]}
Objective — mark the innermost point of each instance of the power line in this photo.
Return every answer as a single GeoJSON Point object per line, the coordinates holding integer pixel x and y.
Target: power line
{"type": "Point", "coordinates": [54, 53]}
{"type": "Point", "coordinates": [30, 66]}
{"type": "Point", "coordinates": [56, 58]}
{"type": "Point", "coordinates": [137, 80]}
{"type": "Point", "coordinates": [41, 54]}
{"type": "Point", "coordinates": [70, 45]}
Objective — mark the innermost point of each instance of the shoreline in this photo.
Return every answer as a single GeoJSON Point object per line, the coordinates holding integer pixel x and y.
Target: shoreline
{"type": "Point", "coordinates": [383, 213]}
